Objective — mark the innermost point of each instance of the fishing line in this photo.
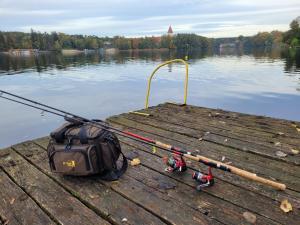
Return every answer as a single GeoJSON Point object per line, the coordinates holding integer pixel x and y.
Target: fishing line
{"type": "Point", "coordinates": [78, 119]}
{"type": "Point", "coordinates": [70, 117]}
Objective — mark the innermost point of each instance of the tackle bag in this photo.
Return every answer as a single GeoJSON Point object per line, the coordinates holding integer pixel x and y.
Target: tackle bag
{"type": "Point", "coordinates": [81, 149]}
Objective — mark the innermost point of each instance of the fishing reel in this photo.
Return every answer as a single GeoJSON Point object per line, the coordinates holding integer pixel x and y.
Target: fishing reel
{"type": "Point", "coordinates": [204, 180]}
{"type": "Point", "coordinates": [175, 163]}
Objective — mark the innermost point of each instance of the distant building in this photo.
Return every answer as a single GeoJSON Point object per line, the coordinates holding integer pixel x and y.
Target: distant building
{"type": "Point", "coordinates": [170, 31]}
{"type": "Point", "coordinates": [227, 45]}
{"type": "Point", "coordinates": [22, 52]}
{"type": "Point", "coordinates": [107, 44]}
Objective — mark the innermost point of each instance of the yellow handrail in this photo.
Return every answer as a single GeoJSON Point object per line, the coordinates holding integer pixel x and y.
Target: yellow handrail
{"type": "Point", "coordinates": [161, 65]}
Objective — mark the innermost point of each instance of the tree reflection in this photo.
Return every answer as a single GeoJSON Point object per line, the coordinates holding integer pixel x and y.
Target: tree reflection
{"type": "Point", "coordinates": [44, 61]}
{"type": "Point", "coordinates": [292, 60]}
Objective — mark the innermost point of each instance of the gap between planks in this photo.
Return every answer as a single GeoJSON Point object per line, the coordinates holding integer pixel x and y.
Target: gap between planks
{"type": "Point", "coordinates": [233, 142]}
{"type": "Point", "coordinates": [253, 167]}
{"type": "Point", "coordinates": [221, 199]}
{"type": "Point", "coordinates": [76, 194]}
{"type": "Point", "coordinates": [134, 173]}
{"type": "Point", "coordinates": [191, 209]}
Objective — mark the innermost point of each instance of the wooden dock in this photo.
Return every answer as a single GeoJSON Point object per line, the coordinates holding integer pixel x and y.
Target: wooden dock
{"type": "Point", "coordinates": [146, 194]}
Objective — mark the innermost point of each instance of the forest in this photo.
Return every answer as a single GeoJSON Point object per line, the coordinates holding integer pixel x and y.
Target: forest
{"type": "Point", "coordinates": [55, 41]}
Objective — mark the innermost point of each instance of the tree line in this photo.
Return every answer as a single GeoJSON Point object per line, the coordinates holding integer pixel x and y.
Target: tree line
{"type": "Point", "coordinates": [57, 41]}
{"type": "Point", "coordinates": [266, 39]}
{"type": "Point", "coordinates": [48, 41]}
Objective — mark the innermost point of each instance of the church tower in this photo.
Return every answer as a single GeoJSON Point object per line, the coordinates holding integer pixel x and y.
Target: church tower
{"type": "Point", "coordinates": [170, 31]}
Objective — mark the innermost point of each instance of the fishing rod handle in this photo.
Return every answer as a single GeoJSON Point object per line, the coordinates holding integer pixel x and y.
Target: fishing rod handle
{"type": "Point", "coordinates": [163, 145]}
{"type": "Point", "coordinates": [253, 176]}
{"type": "Point", "coordinates": [237, 171]}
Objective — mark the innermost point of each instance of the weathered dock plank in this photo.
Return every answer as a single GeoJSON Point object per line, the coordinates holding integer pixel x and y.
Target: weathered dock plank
{"type": "Point", "coordinates": [208, 204]}
{"type": "Point", "coordinates": [146, 194]}
{"type": "Point", "coordinates": [227, 177]}
{"type": "Point", "coordinates": [200, 130]}
{"type": "Point", "coordinates": [239, 159]}
{"type": "Point", "coordinates": [191, 135]}
{"type": "Point", "coordinates": [221, 123]}
{"type": "Point", "coordinates": [111, 205]}
{"type": "Point", "coordinates": [263, 123]}
{"type": "Point", "coordinates": [16, 207]}
{"type": "Point", "coordinates": [224, 190]}
{"type": "Point", "coordinates": [54, 199]}
{"type": "Point", "coordinates": [257, 124]}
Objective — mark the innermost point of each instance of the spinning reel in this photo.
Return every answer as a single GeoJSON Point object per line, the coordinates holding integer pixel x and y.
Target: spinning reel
{"type": "Point", "coordinates": [204, 180]}
{"type": "Point", "coordinates": [176, 163]}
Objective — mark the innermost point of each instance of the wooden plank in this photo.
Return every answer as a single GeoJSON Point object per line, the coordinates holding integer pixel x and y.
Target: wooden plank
{"type": "Point", "coordinates": [98, 196]}
{"type": "Point", "coordinates": [58, 203]}
{"type": "Point", "coordinates": [263, 148]}
{"type": "Point", "coordinates": [234, 156]}
{"type": "Point", "coordinates": [217, 208]}
{"type": "Point", "coordinates": [223, 124]}
{"type": "Point", "coordinates": [152, 173]}
{"type": "Point", "coordinates": [259, 123]}
{"type": "Point", "coordinates": [263, 122]}
{"type": "Point", "coordinates": [223, 190]}
{"type": "Point", "coordinates": [158, 203]}
{"type": "Point", "coordinates": [220, 127]}
{"type": "Point", "coordinates": [16, 207]}
{"type": "Point", "coordinates": [170, 123]}
{"type": "Point", "coordinates": [153, 127]}
{"type": "Point", "coordinates": [267, 121]}
{"type": "Point", "coordinates": [236, 180]}
{"type": "Point", "coordinates": [184, 134]}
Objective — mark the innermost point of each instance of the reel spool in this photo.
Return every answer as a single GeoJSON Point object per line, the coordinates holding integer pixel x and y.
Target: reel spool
{"type": "Point", "coordinates": [175, 163]}
{"type": "Point", "coordinates": [204, 180]}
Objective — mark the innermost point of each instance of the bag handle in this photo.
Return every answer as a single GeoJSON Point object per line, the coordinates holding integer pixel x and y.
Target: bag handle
{"type": "Point", "coordinates": [83, 133]}
{"type": "Point", "coordinates": [59, 135]}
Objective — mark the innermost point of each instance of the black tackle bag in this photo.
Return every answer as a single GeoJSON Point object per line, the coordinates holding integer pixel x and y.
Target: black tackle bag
{"type": "Point", "coordinates": [82, 148]}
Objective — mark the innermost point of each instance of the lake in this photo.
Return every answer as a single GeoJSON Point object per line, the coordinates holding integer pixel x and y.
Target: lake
{"type": "Point", "coordinates": [100, 85]}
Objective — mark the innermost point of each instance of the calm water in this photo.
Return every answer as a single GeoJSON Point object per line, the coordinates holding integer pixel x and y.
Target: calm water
{"type": "Point", "coordinates": [97, 86]}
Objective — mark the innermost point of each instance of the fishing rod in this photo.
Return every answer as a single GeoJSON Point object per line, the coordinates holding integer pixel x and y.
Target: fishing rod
{"type": "Point", "coordinates": [174, 163]}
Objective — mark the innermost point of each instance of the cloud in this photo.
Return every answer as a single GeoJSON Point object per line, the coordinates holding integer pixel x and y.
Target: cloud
{"type": "Point", "coordinates": [76, 25]}
{"type": "Point", "coordinates": [17, 12]}
{"type": "Point", "coordinates": [133, 18]}
{"type": "Point", "coordinates": [227, 14]}
{"type": "Point", "coordinates": [246, 30]}
{"type": "Point", "coordinates": [265, 3]}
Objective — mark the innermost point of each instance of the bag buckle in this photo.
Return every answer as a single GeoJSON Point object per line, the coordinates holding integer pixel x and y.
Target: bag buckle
{"type": "Point", "coordinates": [68, 146]}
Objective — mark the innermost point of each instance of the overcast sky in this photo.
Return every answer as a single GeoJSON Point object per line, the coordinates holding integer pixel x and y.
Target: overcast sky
{"type": "Point", "coordinates": [211, 18]}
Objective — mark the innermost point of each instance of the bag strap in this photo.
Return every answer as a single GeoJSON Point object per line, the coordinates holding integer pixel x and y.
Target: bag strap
{"type": "Point", "coordinates": [83, 135]}
{"type": "Point", "coordinates": [117, 173]}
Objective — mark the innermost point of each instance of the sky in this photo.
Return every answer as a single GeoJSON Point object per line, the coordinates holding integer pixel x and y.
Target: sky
{"type": "Point", "coordinates": [134, 18]}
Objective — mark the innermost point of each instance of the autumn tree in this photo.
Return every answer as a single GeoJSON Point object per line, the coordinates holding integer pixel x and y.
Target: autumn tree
{"type": "Point", "coordinates": [292, 36]}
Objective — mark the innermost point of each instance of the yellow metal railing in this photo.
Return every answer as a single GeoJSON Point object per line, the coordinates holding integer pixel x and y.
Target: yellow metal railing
{"type": "Point", "coordinates": [161, 65]}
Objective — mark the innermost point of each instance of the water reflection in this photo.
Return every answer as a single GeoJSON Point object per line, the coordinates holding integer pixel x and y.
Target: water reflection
{"type": "Point", "coordinates": [45, 61]}
{"type": "Point", "coordinates": [292, 60]}
{"type": "Point", "coordinates": [257, 81]}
